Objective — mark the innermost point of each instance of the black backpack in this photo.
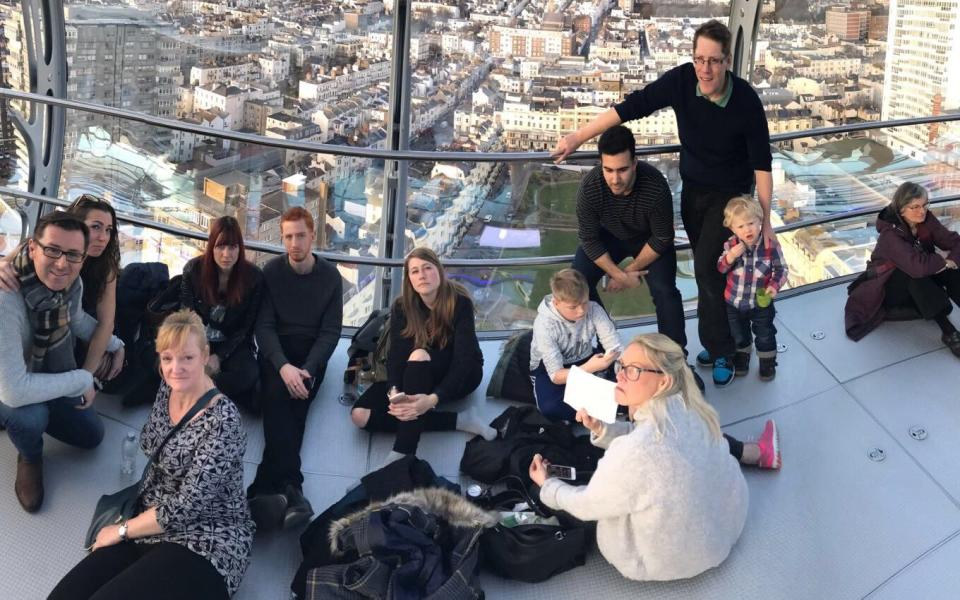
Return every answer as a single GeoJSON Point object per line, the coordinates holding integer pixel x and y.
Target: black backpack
{"type": "Point", "coordinates": [368, 347]}
{"type": "Point", "coordinates": [511, 377]}
{"type": "Point", "coordinates": [523, 432]}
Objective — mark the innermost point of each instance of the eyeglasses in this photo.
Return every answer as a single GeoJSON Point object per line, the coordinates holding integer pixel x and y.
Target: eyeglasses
{"type": "Point", "coordinates": [710, 61]}
{"type": "Point", "coordinates": [632, 372]}
{"type": "Point", "coordinates": [916, 206]}
{"type": "Point", "coordinates": [55, 253]}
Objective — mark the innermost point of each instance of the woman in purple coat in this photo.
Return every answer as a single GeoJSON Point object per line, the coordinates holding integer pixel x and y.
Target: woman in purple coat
{"type": "Point", "coordinates": [906, 276]}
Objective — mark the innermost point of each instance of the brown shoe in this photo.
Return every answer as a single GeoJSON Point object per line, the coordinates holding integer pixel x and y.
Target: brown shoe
{"type": "Point", "coordinates": [29, 484]}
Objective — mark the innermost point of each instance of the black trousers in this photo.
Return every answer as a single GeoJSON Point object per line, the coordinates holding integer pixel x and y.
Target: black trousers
{"type": "Point", "coordinates": [418, 378]}
{"type": "Point", "coordinates": [702, 214]}
{"type": "Point", "coordinates": [284, 420]}
{"type": "Point", "coordinates": [661, 280]}
{"type": "Point", "coordinates": [128, 570]}
{"type": "Point", "coordinates": [930, 296]}
{"type": "Point", "coordinates": [239, 375]}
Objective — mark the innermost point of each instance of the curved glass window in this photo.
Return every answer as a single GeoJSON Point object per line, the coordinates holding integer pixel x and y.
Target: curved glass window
{"type": "Point", "coordinates": [474, 77]}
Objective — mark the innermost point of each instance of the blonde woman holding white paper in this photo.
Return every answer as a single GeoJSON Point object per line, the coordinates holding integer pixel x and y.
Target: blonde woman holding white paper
{"type": "Point", "coordinates": [669, 499]}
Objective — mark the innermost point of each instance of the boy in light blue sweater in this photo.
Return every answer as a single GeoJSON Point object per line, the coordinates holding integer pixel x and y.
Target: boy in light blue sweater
{"type": "Point", "coordinates": [563, 336]}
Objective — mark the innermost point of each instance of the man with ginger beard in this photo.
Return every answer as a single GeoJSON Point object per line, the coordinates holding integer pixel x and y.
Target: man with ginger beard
{"type": "Point", "coordinates": [297, 330]}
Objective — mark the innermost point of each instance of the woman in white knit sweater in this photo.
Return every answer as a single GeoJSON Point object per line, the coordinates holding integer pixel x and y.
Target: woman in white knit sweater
{"type": "Point", "coordinates": [669, 499]}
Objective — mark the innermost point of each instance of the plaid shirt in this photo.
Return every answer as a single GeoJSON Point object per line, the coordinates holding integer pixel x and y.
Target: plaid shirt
{"type": "Point", "coordinates": [757, 267]}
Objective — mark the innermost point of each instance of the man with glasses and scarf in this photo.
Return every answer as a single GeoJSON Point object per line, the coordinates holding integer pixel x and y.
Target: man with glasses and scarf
{"type": "Point", "coordinates": [41, 388]}
{"type": "Point", "coordinates": [725, 152]}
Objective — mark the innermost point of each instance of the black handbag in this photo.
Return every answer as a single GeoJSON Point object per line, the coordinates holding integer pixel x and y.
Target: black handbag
{"type": "Point", "coordinates": [533, 552]}
{"type": "Point", "coordinates": [120, 506]}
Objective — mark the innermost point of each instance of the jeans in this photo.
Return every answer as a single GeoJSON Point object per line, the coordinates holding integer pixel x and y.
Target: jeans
{"type": "Point", "coordinates": [284, 420]}
{"type": "Point", "coordinates": [661, 279]}
{"type": "Point", "coordinates": [764, 331]}
{"type": "Point", "coordinates": [549, 395]}
{"type": "Point", "coordinates": [60, 418]}
{"type": "Point", "coordinates": [702, 214]}
{"type": "Point", "coordinates": [144, 571]}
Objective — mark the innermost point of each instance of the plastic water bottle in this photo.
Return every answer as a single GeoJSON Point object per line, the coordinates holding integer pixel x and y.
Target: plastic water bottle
{"type": "Point", "coordinates": [128, 455]}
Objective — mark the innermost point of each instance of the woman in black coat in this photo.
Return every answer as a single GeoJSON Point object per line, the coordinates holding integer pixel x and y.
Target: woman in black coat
{"type": "Point", "coordinates": [225, 290]}
{"type": "Point", "coordinates": [433, 358]}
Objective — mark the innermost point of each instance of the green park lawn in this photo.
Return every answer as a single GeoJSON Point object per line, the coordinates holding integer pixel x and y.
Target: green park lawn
{"type": "Point", "coordinates": [557, 207]}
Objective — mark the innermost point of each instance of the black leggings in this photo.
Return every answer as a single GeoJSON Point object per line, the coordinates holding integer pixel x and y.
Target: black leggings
{"type": "Point", "coordinates": [143, 571]}
{"type": "Point", "coordinates": [736, 446]}
{"type": "Point", "coordinates": [238, 376]}
{"type": "Point", "coordinates": [417, 379]}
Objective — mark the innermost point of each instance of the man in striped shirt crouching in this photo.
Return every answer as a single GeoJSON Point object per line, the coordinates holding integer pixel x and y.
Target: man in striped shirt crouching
{"type": "Point", "coordinates": [625, 210]}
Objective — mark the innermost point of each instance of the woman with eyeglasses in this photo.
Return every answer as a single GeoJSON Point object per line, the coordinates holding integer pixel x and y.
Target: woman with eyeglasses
{"type": "Point", "coordinates": [907, 277]}
{"type": "Point", "coordinates": [669, 500]}
{"type": "Point", "coordinates": [225, 289]}
{"type": "Point", "coordinates": [101, 269]}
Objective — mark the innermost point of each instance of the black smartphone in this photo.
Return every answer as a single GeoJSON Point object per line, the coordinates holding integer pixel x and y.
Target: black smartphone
{"type": "Point", "coordinates": [562, 472]}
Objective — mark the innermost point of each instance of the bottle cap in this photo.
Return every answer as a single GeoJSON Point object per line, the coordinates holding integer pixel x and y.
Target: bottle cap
{"type": "Point", "coordinates": [474, 491]}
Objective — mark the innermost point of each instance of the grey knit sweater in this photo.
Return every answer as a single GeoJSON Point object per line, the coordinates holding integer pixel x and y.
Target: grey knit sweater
{"type": "Point", "coordinates": [558, 342]}
{"type": "Point", "coordinates": [20, 387]}
{"type": "Point", "coordinates": [666, 508]}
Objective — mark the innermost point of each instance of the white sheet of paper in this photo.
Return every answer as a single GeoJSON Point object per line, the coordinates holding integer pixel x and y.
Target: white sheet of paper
{"type": "Point", "coordinates": [585, 390]}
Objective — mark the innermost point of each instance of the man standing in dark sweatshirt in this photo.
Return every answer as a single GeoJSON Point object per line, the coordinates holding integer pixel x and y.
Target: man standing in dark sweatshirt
{"type": "Point", "coordinates": [725, 151]}
{"type": "Point", "coordinates": [297, 330]}
{"type": "Point", "coordinates": [625, 210]}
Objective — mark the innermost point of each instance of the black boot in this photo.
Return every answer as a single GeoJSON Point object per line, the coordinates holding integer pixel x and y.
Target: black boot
{"type": "Point", "coordinates": [298, 511]}
{"type": "Point", "coordinates": [741, 363]}
{"type": "Point", "coordinates": [952, 340]}
{"type": "Point", "coordinates": [768, 368]}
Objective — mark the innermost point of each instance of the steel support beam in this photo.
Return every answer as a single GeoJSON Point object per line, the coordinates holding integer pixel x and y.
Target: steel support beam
{"type": "Point", "coordinates": [43, 128]}
{"type": "Point", "coordinates": [744, 24]}
{"type": "Point", "coordinates": [393, 219]}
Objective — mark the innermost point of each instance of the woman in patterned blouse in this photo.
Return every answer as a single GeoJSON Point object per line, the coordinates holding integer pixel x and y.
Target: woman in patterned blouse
{"type": "Point", "coordinates": [193, 533]}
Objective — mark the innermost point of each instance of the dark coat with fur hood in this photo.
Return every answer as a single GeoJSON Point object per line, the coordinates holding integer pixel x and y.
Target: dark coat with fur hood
{"type": "Point", "coordinates": [418, 544]}
{"type": "Point", "coordinates": [897, 248]}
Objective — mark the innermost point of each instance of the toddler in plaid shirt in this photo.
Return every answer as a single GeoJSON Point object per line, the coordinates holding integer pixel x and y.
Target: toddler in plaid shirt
{"type": "Point", "coordinates": [755, 274]}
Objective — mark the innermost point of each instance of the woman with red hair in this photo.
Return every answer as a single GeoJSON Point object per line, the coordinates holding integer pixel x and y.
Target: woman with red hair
{"type": "Point", "coordinates": [225, 289]}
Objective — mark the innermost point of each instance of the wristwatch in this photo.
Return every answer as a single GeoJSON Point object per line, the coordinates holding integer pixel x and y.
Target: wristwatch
{"type": "Point", "coordinates": [122, 531]}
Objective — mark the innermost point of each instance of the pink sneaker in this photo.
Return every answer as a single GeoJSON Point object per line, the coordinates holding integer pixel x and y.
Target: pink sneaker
{"type": "Point", "coordinates": [769, 444]}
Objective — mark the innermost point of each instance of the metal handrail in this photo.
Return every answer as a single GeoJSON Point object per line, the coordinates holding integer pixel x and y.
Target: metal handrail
{"type": "Point", "coordinates": [337, 257]}
{"type": "Point", "coordinates": [428, 155]}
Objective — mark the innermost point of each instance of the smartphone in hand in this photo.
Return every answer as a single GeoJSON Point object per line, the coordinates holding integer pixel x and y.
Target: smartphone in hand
{"type": "Point", "coordinates": [394, 396]}
{"type": "Point", "coordinates": [562, 472]}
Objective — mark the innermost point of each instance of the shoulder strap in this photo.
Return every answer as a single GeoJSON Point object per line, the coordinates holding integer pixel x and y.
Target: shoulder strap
{"type": "Point", "coordinates": [197, 407]}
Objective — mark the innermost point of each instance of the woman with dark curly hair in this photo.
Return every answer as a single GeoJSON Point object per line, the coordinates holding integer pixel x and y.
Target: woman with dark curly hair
{"type": "Point", "coordinates": [100, 272]}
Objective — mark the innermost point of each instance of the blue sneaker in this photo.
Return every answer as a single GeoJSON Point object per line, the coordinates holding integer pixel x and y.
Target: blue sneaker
{"type": "Point", "coordinates": [722, 371]}
{"type": "Point", "coordinates": [704, 359]}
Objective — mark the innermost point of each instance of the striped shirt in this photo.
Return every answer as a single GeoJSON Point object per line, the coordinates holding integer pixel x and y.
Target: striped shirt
{"type": "Point", "coordinates": [646, 213]}
{"type": "Point", "coordinates": [757, 267]}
